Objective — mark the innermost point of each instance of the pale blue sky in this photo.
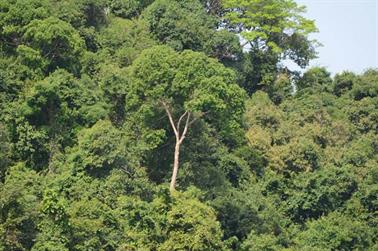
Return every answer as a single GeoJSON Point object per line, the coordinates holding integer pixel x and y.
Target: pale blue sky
{"type": "Point", "coordinates": [348, 30]}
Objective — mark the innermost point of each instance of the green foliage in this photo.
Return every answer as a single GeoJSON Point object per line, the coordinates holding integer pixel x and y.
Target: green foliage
{"type": "Point", "coordinates": [343, 82]}
{"type": "Point", "coordinates": [19, 202]}
{"type": "Point", "coordinates": [187, 81]}
{"type": "Point", "coordinates": [103, 147]}
{"type": "Point", "coordinates": [54, 229]}
{"type": "Point", "coordinates": [15, 15]}
{"type": "Point", "coordinates": [237, 216]}
{"type": "Point", "coordinates": [191, 225]}
{"type": "Point", "coordinates": [31, 145]}
{"type": "Point", "coordinates": [125, 39]}
{"type": "Point", "coordinates": [269, 21]}
{"type": "Point", "coordinates": [273, 31]}
{"type": "Point", "coordinates": [128, 8]}
{"type": "Point", "coordinates": [367, 87]}
{"type": "Point", "coordinates": [179, 24]}
{"type": "Point", "coordinates": [86, 145]}
{"type": "Point", "coordinates": [81, 13]}
{"type": "Point", "coordinates": [223, 45]}
{"type": "Point", "coordinates": [93, 224]}
{"type": "Point", "coordinates": [4, 151]}
{"type": "Point", "coordinates": [335, 232]}
{"type": "Point", "coordinates": [299, 155]}
{"type": "Point", "coordinates": [186, 25]}
{"type": "Point", "coordinates": [98, 146]}
{"type": "Point", "coordinates": [316, 194]}
{"type": "Point", "coordinates": [363, 114]}
{"type": "Point", "coordinates": [281, 89]}
{"type": "Point", "coordinates": [47, 114]}
{"type": "Point", "coordinates": [317, 76]}
{"type": "Point", "coordinates": [262, 242]}
{"type": "Point", "coordinates": [56, 41]}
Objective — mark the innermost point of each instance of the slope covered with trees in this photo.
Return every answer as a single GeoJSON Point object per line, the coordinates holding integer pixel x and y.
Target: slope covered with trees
{"type": "Point", "coordinates": [175, 125]}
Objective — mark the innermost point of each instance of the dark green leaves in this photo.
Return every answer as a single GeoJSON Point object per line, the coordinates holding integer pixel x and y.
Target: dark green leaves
{"type": "Point", "coordinates": [57, 41]}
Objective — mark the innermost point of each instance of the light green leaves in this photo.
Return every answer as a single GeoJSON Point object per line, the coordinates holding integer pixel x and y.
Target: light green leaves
{"type": "Point", "coordinates": [188, 81]}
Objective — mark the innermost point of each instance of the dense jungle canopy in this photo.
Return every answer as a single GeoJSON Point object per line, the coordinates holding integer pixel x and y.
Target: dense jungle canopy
{"type": "Point", "coordinates": [175, 125]}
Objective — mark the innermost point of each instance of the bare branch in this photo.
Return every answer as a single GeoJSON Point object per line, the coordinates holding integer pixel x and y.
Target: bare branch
{"type": "Point", "coordinates": [179, 121]}
{"type": "Point", "coordinates": [170, 119]}
{"type": "Point", "coordinates": [185, 128]}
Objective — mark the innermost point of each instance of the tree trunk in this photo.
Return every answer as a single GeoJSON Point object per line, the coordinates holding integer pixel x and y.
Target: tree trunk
{"type": "Point", "coordinates": [180, 136]}
{"type": "Point", "coordinates": [175, 167]}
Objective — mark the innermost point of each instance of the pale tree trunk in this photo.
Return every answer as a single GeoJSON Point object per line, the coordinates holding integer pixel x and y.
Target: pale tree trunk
{"type": "Point", "coordinates": [180, 136]}
{"type": "Point", "coordinates": [175, 167]}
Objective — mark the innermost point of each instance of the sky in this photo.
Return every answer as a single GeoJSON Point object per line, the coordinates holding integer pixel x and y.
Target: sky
{"type": "Point", "coordinates": [348, 31]}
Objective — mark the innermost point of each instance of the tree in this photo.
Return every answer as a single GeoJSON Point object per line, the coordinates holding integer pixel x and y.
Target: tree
{"type": "Point", "coordinates": [271, 25]}
{"type": "Point", "coordinates": [187, 25]}
{"type": "Point", "coordinates": [128, 8]}
{"type": "Point", "coordinates": [343, 82]}
{"type": "Point", "coordinates": [367, 86]}
{"type": "Point", "coordinates": [179, 24]}
{"type": "Point", "coordinates": [316, 194]}
{"type": "Point", "coordinates": [15, 15]}
{"type": "Point", "coordinates": [81, 14]}
{"type": "Point", "coordinates": [316, 77]}
{"type": "Point", "coordinates": [187, 86]}
{"type": "Point", "coordinates": [56, 41]}
{"type": "Point", "coordinates": [272, 31]}
{"type": "Point", "coordinates": [19, 203]}
{"type": "Point", "coordinates": [191, 225]}
{"type": "Point", "coordinates": [335, 232]}
{"type": "Point", "coordinates": [104, 147]}
{"type": "Point", "coordinates": [47, 114]}
{"type": "Point", "coordinates": [124, 39]}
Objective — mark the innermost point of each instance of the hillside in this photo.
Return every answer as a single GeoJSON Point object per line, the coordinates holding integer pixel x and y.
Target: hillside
{"type": "Point", "coordinates": [175, 125]}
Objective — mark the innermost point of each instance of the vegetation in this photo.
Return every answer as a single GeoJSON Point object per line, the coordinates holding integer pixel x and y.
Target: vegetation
{"type": "Point", "coordinates": [174, 125]}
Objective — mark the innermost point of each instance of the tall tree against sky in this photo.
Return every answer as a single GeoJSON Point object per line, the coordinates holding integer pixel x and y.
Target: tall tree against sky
{"type": "Point", "coordinates": [271, 31]}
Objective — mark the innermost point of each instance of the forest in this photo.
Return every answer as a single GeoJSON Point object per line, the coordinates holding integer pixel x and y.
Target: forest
{"type": "Point", "coordinates": [176, 125]}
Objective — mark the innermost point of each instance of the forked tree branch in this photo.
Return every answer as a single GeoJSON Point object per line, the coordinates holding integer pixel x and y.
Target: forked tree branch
{"type": "Point", "coordinates": [170, 119]}
{"type": "Point", "coordinates": [179, 121]}
{"type": "Point", "coordinates": [187, 124]}
{"type": "Point", "coordinates": [176, 126]}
